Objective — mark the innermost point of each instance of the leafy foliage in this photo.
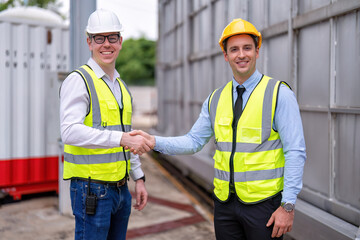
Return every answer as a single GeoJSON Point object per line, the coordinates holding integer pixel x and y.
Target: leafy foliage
{"type": "Point", "coordinates": [136, 61]}
{"type": "Point", "coordinates": [6, 5]}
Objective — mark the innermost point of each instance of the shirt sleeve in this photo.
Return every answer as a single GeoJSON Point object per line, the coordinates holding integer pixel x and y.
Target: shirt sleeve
{"type": "Point", "coordinates": [135, 171]}
{"type": "Point", "coordinates": [288, 123]}
{"type": "Point", "coordinates": [74, 106]}
{"type": "Point", "coordinates": [191, 142]}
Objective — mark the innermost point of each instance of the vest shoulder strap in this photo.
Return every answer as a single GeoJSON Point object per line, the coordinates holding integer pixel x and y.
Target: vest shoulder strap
{"type": "Point", "coordinates": [286, 84]}
{"type": "Point", "coordinates": [214, 96]}
{"type": "Point", "coordinates": [210, 98]}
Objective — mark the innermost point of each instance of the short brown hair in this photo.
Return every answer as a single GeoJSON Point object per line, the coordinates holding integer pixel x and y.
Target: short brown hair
{"type": "Point", "coordinates": [255, 38]}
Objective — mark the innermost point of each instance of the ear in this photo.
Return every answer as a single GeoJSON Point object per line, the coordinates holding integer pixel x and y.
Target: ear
{"type": "Point", "coordinates": [121, 41]}
{"type": "Point", "coordinates": [226, 57]}
{"type": "Point", "coordinates": [257, 52]}
{"type": "Point", "coordinates": [88, 40]}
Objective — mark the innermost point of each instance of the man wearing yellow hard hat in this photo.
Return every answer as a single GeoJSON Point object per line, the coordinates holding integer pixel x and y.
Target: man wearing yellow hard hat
{"type": "Point", "coordinates": [260, 146]}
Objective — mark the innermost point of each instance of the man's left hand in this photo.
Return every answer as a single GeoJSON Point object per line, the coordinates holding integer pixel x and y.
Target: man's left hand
{"type": "Point", "coordinates": [282, 220]}
{"type": "Point", "coordinates": [141, 195]}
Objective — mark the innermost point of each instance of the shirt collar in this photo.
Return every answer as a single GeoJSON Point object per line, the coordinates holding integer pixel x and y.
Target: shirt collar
{"type": "Point", "coordinates": [98, 70]}
{"type": "Point", "coordinates": [250, 83]}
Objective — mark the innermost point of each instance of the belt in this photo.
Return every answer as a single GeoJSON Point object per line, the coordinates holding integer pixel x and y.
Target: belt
{"type": "Point", "coordinates": [114, 184]}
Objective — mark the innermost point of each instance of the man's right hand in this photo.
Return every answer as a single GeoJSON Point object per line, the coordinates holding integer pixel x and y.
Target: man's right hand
{"type": "Point", "coordinates": [137, 143]}
{"type": "Point", "coordinates": [143, 134]}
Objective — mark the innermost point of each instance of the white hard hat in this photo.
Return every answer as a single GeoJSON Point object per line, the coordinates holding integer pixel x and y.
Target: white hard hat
{"type": "Point", "coordinates": [102, 21]}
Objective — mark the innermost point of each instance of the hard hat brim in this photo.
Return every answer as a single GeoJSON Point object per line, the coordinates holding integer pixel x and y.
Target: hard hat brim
{"type": "Point", "coordinates": [104, 30]}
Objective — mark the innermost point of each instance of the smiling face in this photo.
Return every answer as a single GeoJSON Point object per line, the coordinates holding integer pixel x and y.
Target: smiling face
{"type": "Point", "coordinates": [105, 54]}
{"type": "Point", "coordinates": [241, 54]}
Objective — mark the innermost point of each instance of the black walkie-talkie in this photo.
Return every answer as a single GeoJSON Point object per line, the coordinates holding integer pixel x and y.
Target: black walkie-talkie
{"type": "Point", "coordinates": [90, 201]}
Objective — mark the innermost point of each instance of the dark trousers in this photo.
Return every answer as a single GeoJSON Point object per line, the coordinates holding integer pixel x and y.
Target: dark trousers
{"type": "Point", "coordinates": [235, 220]}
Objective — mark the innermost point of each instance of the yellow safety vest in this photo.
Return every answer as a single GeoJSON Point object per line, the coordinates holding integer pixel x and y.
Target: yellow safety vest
{"type": "Point", "coordinates": [111, 164]}
{"type": "Point", "coordinates": [256, 161]}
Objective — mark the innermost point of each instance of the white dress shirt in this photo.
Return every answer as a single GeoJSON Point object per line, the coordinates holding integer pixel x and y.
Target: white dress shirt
{"type": "Point", "coordinates": [74, 106]}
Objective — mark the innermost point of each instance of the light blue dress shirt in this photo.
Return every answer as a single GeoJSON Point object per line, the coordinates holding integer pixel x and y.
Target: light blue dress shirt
{"type": "Point", "coordinates": [287, 122]}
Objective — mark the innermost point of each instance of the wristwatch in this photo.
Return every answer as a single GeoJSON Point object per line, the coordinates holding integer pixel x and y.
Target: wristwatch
{"type": "Point", "coordinates": [288, 207]}
{"type": "Point", "coordinates": [143, 178]}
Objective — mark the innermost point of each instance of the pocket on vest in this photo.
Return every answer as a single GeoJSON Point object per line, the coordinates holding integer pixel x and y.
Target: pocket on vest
{"type": "Point", "coordinates": [223, 128]}
{"type": "Point", "coordinates": [259, 161]}
{"type": "Point", "coordinates": [250, 135]}
{"type": "Point", "coordinates": [264, 186]}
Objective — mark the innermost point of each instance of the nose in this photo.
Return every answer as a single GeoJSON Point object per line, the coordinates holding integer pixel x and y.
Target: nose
{"type": "Point", "coordinates": [241, 54]}
{"type": "Point", "coordinates": [106, 43]}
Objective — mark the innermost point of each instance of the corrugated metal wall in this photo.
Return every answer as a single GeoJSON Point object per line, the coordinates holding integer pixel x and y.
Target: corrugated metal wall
{"type": "Point", "coordinates": [314, 45]}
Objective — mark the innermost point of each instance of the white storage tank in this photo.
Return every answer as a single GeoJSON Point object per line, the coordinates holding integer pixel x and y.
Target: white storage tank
{"type": "Point", "coordinates": [34, 50]}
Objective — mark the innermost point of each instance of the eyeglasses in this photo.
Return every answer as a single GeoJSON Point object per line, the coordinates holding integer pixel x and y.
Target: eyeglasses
{"type": "Point", "coordinates": [100, 39]}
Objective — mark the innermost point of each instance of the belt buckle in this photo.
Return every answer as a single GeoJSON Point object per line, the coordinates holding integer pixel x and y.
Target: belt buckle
{"type": "Point", "coordinates": [120, 183]}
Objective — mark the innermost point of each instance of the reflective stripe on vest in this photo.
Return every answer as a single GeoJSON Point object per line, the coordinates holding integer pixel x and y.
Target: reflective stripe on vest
{"type": "Point", "coordinates": [250, 176]}
{"type": "Point", "coordinates": [258, 155]}
{"type": "Point", "coordinates": [109, 164]}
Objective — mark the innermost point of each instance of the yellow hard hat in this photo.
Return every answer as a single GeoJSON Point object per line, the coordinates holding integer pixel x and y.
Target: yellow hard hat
{"type": "Point", "coordinates": [239, 26]}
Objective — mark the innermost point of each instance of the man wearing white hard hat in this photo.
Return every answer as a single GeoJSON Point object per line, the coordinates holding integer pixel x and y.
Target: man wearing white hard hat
{"type": "Point", "coordinates": [95, 117]}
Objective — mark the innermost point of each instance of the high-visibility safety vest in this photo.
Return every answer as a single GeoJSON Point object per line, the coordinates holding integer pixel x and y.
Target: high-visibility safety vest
{"type": "Point", "coordinates": [251, 156]}
{"type": "Point", "coordinates": [111, 164]}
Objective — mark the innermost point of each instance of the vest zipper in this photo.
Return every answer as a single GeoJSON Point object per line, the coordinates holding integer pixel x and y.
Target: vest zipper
{"type": "Point", "coordinates": [232, 185]}
{"type": "Point", "coordinates": [231, 162]}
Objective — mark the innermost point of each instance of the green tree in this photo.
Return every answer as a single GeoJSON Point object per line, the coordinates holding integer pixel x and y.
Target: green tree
{"type": "Point", "coordinates": [6, 5]}
{"type": "Point", "coordinates": [136, 61]}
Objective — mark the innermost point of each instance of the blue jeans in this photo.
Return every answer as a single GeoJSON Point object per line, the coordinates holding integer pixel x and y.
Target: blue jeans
{"type": "Point", "coordinates": [112, 211]}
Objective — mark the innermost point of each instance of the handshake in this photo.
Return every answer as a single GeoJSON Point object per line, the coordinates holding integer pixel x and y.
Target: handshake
{"type": "Point", "coordinates": [137, 141]}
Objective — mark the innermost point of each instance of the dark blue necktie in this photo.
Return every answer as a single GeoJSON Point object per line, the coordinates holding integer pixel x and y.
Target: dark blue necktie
{"type": "Point", "coordinates": [238, 105]}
